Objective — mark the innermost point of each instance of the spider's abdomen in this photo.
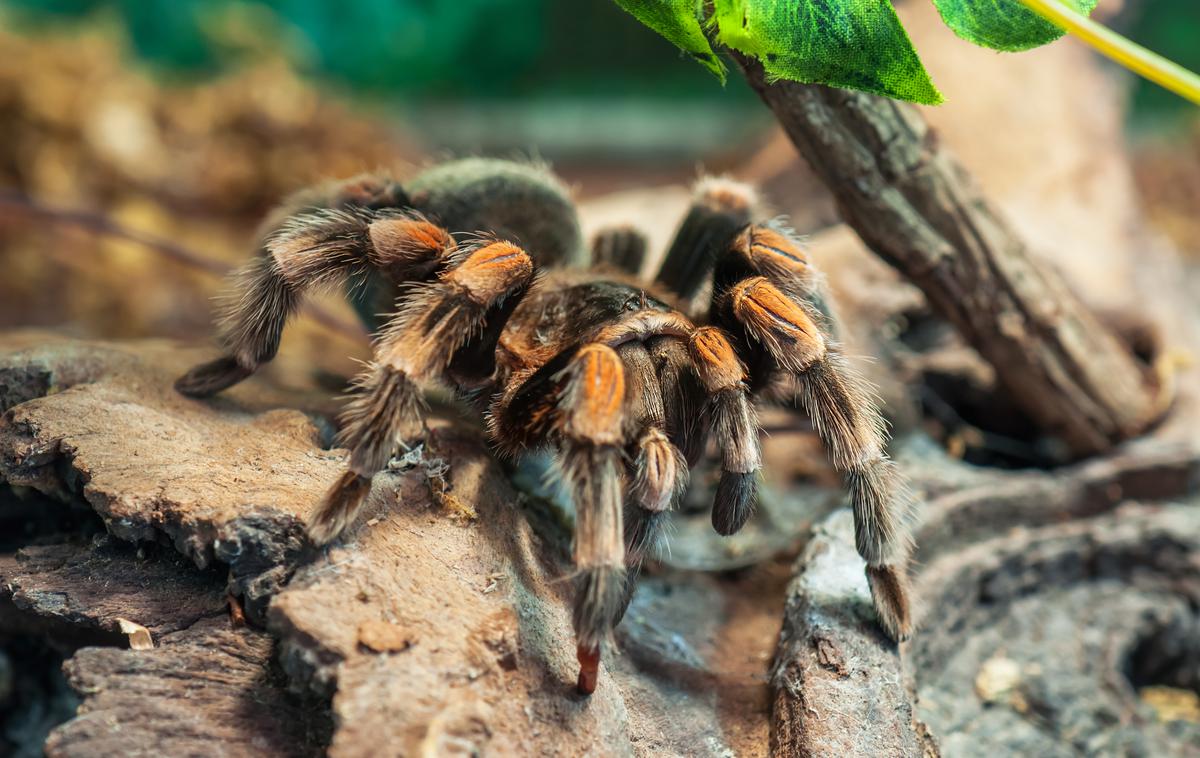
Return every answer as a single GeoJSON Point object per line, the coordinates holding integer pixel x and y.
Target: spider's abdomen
{"type": "Point", "coordinates": [522, 203]}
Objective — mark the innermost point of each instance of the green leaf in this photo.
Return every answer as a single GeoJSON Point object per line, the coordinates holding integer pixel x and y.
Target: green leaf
{"type": "Point", "coordinates": [679, 22]}
{"type": "Point", "coordinates": [1003, 24]}
{"type": "Point", "coordinates": [857, 44]}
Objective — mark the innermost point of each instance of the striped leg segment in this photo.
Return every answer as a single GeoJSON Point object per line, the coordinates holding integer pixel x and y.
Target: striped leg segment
{"type": "Point", "coordinates": [592, 414]}
{"type": "Point", "coordinates": [307, 251]}
{"type": "Point", "coordinates": [734, 423]}
{"type": "Point", "coordinates": [434, 321]}
{"type": "Point", "coordinates": [785, 334]}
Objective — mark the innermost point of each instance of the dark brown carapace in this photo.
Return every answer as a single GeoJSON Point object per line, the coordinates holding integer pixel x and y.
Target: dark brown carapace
{"type": "Point", "coordinates": [577, 356]}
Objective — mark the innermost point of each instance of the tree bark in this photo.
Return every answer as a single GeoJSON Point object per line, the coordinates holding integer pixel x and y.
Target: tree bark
{"type": "Point", "coordinates": [916, 207]}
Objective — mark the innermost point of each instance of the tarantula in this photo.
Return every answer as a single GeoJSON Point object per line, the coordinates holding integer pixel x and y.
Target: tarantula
{"type": "Point", "coordinates": [478, 265]}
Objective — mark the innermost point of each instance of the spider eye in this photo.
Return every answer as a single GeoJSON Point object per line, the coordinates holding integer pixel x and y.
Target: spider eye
{"type": "Point", "coordinates": [634, 303]}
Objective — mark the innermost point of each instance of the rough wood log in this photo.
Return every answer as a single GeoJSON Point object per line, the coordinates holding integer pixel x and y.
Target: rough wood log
{"type": "Point", "coordinates": [1005, 559]}
{"type": "Point", "coordinates": [915, 206]}
{"type": "Point", "coordinates": [206, 690]}
{"type": "Point", "coordinates": [205, 687]}
{"type": "Point", "coordinates": [837, 680]}
{"type": "Point", "coordinates": [92, 587]}
{"type": "Point", "coordinates": [441, 623]}
{"type": "Point", "coordinates": [225, 483]}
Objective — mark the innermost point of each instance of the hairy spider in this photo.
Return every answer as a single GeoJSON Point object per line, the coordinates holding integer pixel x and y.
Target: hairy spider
{"type": "Point", "coordinates": [603, 368]}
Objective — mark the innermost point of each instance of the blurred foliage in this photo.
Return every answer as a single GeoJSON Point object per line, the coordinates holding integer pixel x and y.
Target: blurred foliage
{"type": "Point", "coordinates": [445, 48]}
{"type": "Point", "coordinates": [387, 44]}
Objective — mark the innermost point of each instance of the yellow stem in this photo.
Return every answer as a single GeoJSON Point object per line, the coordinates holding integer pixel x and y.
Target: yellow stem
{"type": "Point", "coordinates": [1132, 56]}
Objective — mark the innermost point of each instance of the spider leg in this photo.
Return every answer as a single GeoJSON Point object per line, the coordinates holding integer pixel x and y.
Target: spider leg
{"type": "Point", "coordinates": [305, 251]}
{"type": "Point", "coordinates": [784, 333]}
{"type": "Point", "coordinates": [620, 247]}
{"type": "Point", "coordinates": [735, 424]}
{"type": "Point", "coordinates": [432, 323]}
{"type": "Point", "coordinates": [682, 394]}
{"type": "Point", "coordinates": [658, 469]}
{"type": "Point", "coordinates": [591, 412]}
{"type": "Point", "coordinates": [720, 209]}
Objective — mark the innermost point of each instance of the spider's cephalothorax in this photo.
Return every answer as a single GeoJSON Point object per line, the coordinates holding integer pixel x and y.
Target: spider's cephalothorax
{"type": "Point", "coordinates": [626, 387]}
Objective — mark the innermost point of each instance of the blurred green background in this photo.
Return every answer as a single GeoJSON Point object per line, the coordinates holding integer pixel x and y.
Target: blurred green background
{"type": "Point", "coordinates": [488, 49]}
{"type": "Point", "coordinates": [561, 75]}
{"type": "Point", "coordinates": [480, 49]}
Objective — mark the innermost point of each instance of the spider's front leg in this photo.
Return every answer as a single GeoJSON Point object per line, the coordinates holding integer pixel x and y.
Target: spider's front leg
{"type": "Point", "coordinates": [764, 292]}
{"type": "Point", "coordinates": [603, 408]}
{"type": "Point", "coordinates": [433, 322]}
{"type": "Point", "coordinates": [591, 411]}
{"type": "Point", "coordinates": [307, 248]}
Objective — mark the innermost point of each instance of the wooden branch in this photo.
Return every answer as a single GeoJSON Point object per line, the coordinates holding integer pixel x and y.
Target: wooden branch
{"type": "Point", "coordinates": [916, 207]}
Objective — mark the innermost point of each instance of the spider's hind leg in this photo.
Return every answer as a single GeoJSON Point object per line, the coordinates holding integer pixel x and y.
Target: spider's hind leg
{"type": "Point", "coordinates": [720, 209]}
{"type": "Point", "coordinates": [622, 248]}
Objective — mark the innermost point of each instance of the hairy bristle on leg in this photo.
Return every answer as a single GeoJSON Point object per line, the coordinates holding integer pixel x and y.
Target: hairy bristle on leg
{"type": "Point", "coordinates": [308, 250]}
{"type": "Point", "coordinates": [208, 379]}
{"type": "Point", "coordinates": [643, 530]}
{"type": "Point", "coordinates": [344, 500]}
{"type": "Point", "coordinates": [658, 470]}
{"type": "Point", "coordinates": [845, 417]}
{"type": "Point", "coordinates": [386, 405]}
{"type": "Point", "coordinates": [633, 573]}
{"type": "Point", "coordinates": [252, 317]}
{"type": "Point", "coordinates": [734, 502]}
{"type": "Point", "coordinates": [890, 593]}
{"type": "Point", "coordinates": [735, 425]}
{"type": "Point", "coordinates": [785, 332]}
{"type": "Point", "coordinates": [848, 423]}
{"type": "Point", "coordinates": [682, 394]}
{"type": "Point", "coordinates": [778, 322]}
{"type": "Point", "coordinates": [720, 208]}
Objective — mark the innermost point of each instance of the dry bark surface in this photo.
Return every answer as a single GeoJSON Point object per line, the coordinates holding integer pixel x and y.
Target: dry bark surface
{"type": "Point", "coordinates": [207, 690]}
{"type": "Point", "coordinates": [440, 624]}
{"type": "Point", "coordinates": [95, 585]}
